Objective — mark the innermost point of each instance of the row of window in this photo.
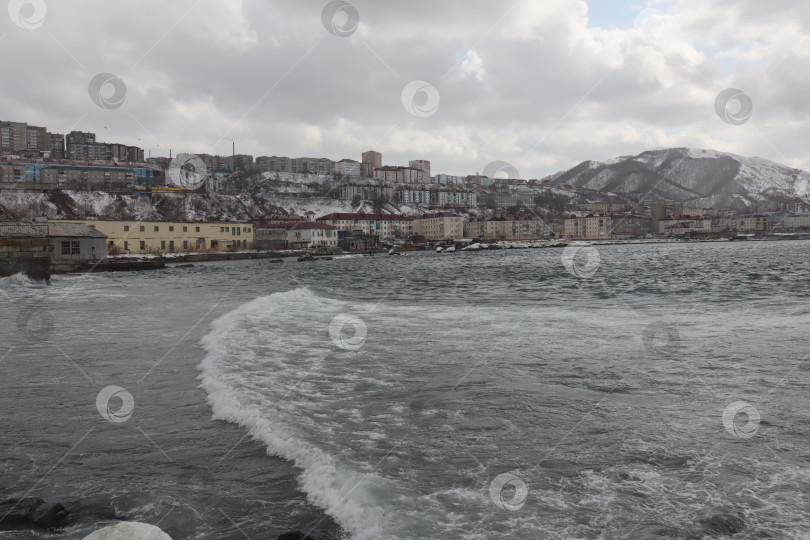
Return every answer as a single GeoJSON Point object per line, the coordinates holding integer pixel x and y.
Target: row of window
{"type": "Point", "coordinates": [236, 230]}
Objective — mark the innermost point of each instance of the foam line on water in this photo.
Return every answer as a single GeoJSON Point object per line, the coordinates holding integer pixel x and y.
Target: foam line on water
{"type": "Point", "coordinates": [342, 493]}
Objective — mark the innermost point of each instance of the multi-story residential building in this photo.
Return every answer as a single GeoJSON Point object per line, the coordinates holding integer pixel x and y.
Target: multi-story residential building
{"type": "Point", "coordinates": [590, 227]}
{"type": "Point", "coordinates": [424, 166]}
{"type": "Point", "coordinates": [398, 175]}
{"type": "Point", "coordinates": [56, 145]}
{"type": "Point", "coordinates": [630, 226]}
{"type": "Point", "coordinates": [458, 197]}
{"type": "Point", "coordinates": [164, 236]}
{"type": "Point", "coordinates": [448, 179]}
{"type": "Point", "coordinates": [658, 210]}
{"type": "Point", "coordinates": [439, 226]}
{"type": "Point", "coordinates": [320, 166]}
{"type": "Point", "coordinates": [684, 224]}
{"type": "Point", "coordinates": [367, 192]}
{"type": "Point", "coordinates": [749, 224]}
{"type": "Point", "coordinates": [349, 168]}
{"type": "Point", "coordinates": [385, 226]}
{"type": "Point", "coordinates": [509, 228]}
{"type": "Point", "coordinates": [226, 164]}
{"type": "Point", "coordinates": [413, 196]}
{"type": "Point", "coordinates": [274, 163]}
{"type": "Point", "coordinates": [41, 176]}
{"type": "Point", "coordinates": [796, 222]}
{"type": "Point", "coordinates": [478, 180]}
{"type": "Point", "coordinates": [603, 207]}
{"type": "Point", "coordinates": [373, 159]}
{"type": "Point", "coordinates": [84, 146]}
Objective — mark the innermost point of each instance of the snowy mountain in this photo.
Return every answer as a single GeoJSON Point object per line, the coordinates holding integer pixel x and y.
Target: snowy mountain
{"type": "Point", "coordinates": [701, 178]}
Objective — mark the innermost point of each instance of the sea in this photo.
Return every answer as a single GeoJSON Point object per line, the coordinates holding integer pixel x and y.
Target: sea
{"type": "Point", "coordinates": [593, 392]}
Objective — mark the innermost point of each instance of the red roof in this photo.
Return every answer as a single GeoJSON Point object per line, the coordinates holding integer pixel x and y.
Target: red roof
{"type": "Point", "coordinates": [298, 226]}
{"type": "Point", "coordinates": [363, 216]}
{"type": "Point", "coordinates": [438, 215]}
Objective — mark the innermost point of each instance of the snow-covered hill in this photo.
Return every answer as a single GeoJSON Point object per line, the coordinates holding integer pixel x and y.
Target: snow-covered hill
{"type": "Point", "coordinates": [694, 176]}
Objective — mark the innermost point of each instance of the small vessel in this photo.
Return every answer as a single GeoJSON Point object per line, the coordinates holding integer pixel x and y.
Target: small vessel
{"type": "Point", "coordinates": [392, 252]}
{"type": "Point", "coordinates": [451, 249]}
{"type": "Point", "coordinates": [439, 249]}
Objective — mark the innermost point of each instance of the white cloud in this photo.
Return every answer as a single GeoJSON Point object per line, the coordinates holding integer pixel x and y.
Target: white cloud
{"type": "Point", "coordinates": [529, 83]}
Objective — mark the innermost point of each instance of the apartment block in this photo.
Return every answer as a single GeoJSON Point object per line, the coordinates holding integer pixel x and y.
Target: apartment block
{"type": "Point", "coordinates": [372, 158]}
{"type": "Point", "coordinates": [385, 226]}
{"type": "Point", "coordinates": [422, 165]}
{"type": "Point", "coordinates": [439, 226]}
{"type": "Point", "coordinates": [591, 227]}
{"type": "Point", "coordinates": [349, 168]}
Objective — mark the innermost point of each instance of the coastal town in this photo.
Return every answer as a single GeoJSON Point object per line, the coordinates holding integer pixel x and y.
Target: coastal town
{"type": "Point", "coordinates": [393, 206]}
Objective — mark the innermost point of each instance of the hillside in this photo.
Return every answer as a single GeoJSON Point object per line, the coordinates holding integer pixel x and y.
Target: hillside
{"type": "Point", "coordinates": [701, 178]}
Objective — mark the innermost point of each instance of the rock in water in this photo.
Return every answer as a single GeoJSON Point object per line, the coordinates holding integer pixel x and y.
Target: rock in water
{"type": "Point", "coordinates": [129, 530]}
{"type": "Point", "coordinates": [31, 512]}
{"type": "Point", "coordinates": [318, 534]}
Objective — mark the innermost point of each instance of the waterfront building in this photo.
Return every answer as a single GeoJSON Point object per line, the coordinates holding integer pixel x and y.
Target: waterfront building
{"type": "Point", "coordinates": [439, 226]}
{"type": "Point", "coordinates": [590, 227]}
{"type": "Point", "coordinates": [386, 226]}
{"type": "Point", "coordinates": [166, 236]}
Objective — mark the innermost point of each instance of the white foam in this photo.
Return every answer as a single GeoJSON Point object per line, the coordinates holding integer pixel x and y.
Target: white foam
{"type": "Point", "coordinates": [341, 492]}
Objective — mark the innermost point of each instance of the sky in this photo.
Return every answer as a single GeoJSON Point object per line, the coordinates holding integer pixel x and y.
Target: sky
{"type": "Point", "coordinates": [539, 85]}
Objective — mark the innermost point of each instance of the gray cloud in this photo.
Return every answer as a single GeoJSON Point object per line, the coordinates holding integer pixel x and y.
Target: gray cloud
{"type": "Point", "coordinates": [529, 83]}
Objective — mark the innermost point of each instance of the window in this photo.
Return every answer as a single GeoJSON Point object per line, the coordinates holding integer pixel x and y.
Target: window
{"type": "Point", "coordinates": [185, 229]}
{"type": "Point", "coordinates": [214, 244]}
{"type": "Point", "coordinates": [71, 247]}
{"type": "Point", "coordinates": [163, 244]}
{"type": "Point", "coordinates": [222, 229]}
{"type": "Point", "coordinates": [126, 228]}
{"type": "Point", "coordinates": [227, 229]}
{"type": "Point", "coordinates": [171, 245]}
{"type": "Point", "coordinates": [126, 246]}
{"type": "Point", "coordinates": [185, 243]}
{"type": "Point", "coordinates": [143, 245]}
{"type": "Point", "coordinates": [157, 229]}
{"type": "Point", "coordinates": [142, 228]}
{"type": "Point", "coordinates": [171, 228]}
{"type": "Point", "coordinates": [196, 229]}
{"type": "Point", "coordinates": [239, 231]}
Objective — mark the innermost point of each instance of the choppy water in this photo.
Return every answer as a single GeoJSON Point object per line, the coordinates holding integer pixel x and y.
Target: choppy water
{"type": "Point", "coordinates": [473, 395]}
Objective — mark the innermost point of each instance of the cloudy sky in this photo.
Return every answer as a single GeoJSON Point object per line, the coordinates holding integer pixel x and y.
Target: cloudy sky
{"type": "Point", "coordinates": [542, 85]}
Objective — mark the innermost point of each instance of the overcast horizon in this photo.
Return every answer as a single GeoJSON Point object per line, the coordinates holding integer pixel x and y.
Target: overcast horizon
{"type": "Point", "coordinates": [542, 86]}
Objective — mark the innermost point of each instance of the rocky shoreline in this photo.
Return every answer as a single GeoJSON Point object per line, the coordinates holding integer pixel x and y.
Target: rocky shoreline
{"type": "Point", "coordinates": [33, 513]}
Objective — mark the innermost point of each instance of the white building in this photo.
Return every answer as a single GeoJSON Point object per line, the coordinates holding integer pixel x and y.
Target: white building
{"type": "Point", "coordinates": [464, 198]}
{"type": "Point", "coordinates": [448, 179]}
{"type": "Point", "coordinates": [349, 168]}
{"type": "Point", "coordinates": [413, 196]}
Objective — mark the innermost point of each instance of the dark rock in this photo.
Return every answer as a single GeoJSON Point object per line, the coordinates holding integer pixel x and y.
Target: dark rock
{"type": "Point", "coordinates": [723, 524]}
{"type": "Point", "coordinates": [318, 534]}
{"type": "Point", "coordinates": [187, 265]}
{"type": "Point", "coordinates": [276, 260]}
{"type": "Point", "coordinates": [31, 512]}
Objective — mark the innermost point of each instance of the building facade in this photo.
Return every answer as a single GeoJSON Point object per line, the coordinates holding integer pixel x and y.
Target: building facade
{"type": "Point", "coordinates": [591, 227]}
{"type": "Point", "coordinates": [385, 226]}
{"type": "Point", "coordinates": [167, 237]}
{"type": "Point", "coordinates": [439, 226]}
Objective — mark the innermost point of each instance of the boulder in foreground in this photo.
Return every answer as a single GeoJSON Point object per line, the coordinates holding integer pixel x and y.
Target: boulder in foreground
{"type": "Point", "coordinates": [318, 534]}
{"type": "Point", "coordinates": [31, 512]}
{"type": "Point", "coordinates": [129, 530]}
